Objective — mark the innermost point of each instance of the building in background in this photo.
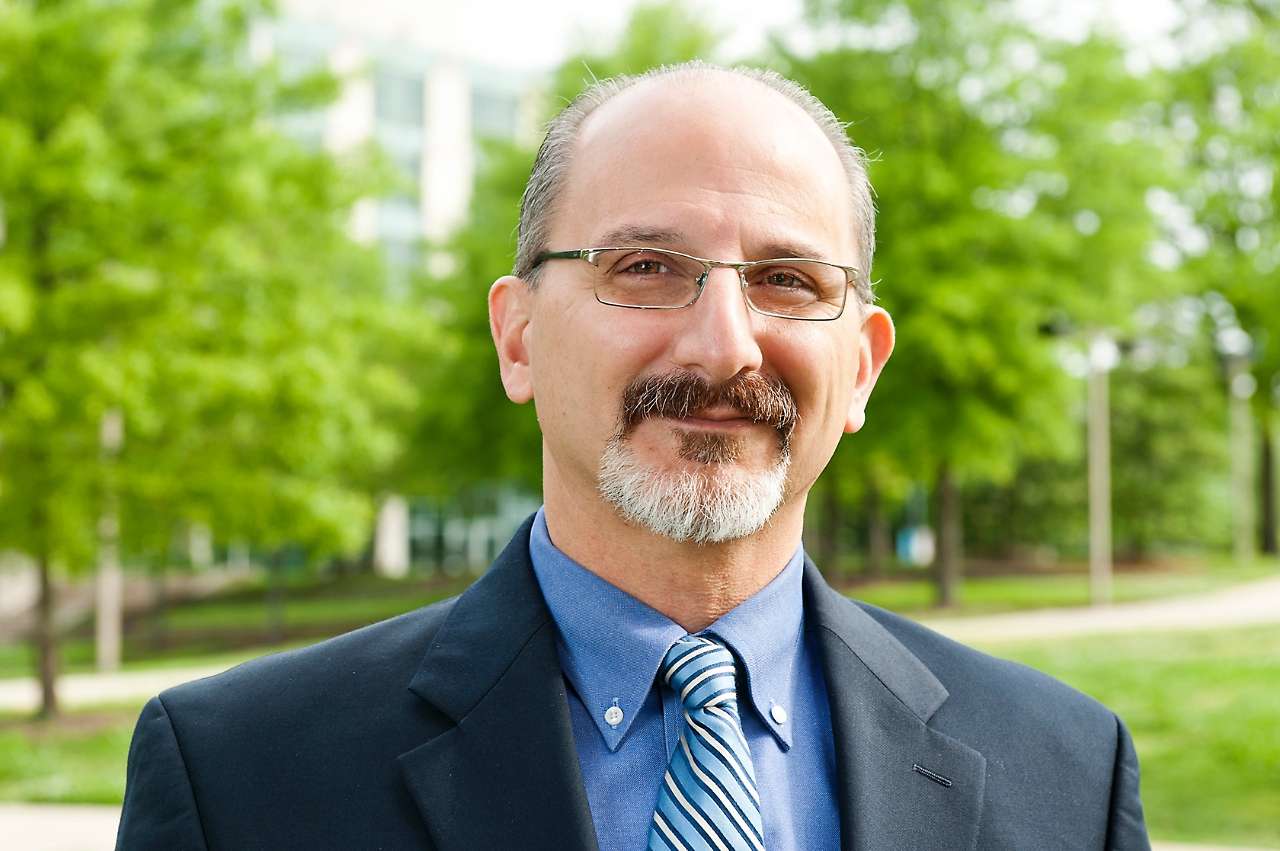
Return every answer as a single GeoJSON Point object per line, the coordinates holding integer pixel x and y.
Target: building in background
{"type": "Point", "coordinates": [404, 88]}
{"type": "Point", "coordinates": [427, 107]}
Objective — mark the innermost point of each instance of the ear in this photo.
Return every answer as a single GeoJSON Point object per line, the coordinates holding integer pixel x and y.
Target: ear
{"type": "Point", "coordinates": [510, 316]}
{"type": "Point", "coordinates": [875, 344]}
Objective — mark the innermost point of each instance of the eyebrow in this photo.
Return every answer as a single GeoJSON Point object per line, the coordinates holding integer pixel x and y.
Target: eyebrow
{"type": "Point", "coordinates": [774, 250]}
{"type": "Point", "coordinates": [641, 235]}
{"type": "Point", "coordinates": [666, 237]}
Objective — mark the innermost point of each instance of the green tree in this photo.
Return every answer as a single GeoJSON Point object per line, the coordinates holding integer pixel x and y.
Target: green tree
{"type": "Point", "coordinates": [170, 257]}
{"type": "Point", "coordinates": [1226, 107]}
{"type": "Point", "coordinates": [1169, 473]}
{"type": "Point", "coordinates": [988, 143]}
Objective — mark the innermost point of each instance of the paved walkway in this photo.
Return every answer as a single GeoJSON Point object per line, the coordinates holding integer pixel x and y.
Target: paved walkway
{"type": "Point", "coordinates": [23, 694]}
{"type": "Point", "coordinates": [1248, 604]}
{"type": "Point", "coordinates": [64, 827]}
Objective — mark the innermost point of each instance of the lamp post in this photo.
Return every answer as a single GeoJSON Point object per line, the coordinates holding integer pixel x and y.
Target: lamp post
{"type": "Point", "coordinates": [1100, 357]}
{"type": "Point", "coordinates": [1236, 347]}
{"type": "Point", "coordinates": [1103, 356]}
{"type": "Point", "coordinates": [109, 580]}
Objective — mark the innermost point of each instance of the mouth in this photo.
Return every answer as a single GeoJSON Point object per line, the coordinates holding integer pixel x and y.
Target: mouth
{"type": "Point", "coordinates": [718, 418]}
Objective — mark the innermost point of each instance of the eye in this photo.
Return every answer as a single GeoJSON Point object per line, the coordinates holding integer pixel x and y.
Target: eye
{"type": "Point", "coordinates": [782, 279]}
{"type": "Point", "coordinates": [785, 278]}
{"type": "Point", "coordinates": [643, 266]}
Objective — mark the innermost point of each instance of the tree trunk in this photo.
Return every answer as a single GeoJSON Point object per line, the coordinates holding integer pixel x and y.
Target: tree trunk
{"type": "Point", "coordinates": [950, 567]}
{"type": "Point", "coordinates": [1267, 490]}
{"type": "Point", "coordinates": [878, 544]}
{"type": "Point", "coordinates": [47, 640]}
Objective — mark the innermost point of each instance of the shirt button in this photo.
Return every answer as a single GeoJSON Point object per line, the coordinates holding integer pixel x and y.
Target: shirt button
{"type": "Point", "coordinates": [778, 714]}
{"type": "Point", "coordinates": [613, 716]}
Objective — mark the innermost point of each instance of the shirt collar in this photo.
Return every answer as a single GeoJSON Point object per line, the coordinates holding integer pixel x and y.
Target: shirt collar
{"type": "Point", "coordinates": [765, 632]}
{"type": "Point", "coordinates": [611, 644]}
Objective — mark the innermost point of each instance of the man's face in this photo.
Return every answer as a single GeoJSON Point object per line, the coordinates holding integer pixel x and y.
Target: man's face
{"type": "Point", "coordinates": [715, 166]}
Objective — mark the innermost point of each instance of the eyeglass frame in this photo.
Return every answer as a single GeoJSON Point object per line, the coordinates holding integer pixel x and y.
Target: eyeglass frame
{"type": "Point", "coordinates": [851, 277]}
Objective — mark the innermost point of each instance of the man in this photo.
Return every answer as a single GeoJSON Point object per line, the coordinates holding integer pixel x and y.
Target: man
{"type": "Point", "coordinates": [652, 662]}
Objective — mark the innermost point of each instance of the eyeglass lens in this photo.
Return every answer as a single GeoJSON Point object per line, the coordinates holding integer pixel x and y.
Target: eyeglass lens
{"type": "Point", "coordinates": [633, 277]}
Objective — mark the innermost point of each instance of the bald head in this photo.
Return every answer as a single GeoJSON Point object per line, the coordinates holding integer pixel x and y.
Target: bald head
{"type": "Point", "coordinates": [681, 115]}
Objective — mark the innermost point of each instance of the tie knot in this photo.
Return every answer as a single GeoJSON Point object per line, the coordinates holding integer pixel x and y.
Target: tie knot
{"type": "Point", "coordinates": [701, 671]}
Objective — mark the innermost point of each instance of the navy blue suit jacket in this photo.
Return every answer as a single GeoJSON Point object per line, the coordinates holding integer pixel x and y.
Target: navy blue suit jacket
{"type": "Point", "coordinates": [448, 728]}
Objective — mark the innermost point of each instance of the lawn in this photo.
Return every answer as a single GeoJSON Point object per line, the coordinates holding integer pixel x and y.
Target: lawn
{"type": "Point", "coordinates": [78, 759]}
{"type": "Point", "coordinates": [1204, 710]}
{"type": "Point", "coordinates": [235, 624]}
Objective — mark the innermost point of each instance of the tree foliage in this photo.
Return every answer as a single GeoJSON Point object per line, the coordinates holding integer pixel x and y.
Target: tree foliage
{"type": "Point", "coordinates": [171, 258]}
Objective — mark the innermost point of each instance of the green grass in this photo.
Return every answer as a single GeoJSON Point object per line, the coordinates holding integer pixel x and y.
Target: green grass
{"type": "Point", "coordinates": [235, 624]}
{"type": "Point", "coordinates": [78, 759]}
{"type": "Point", "coordinates": [1204, 710]}
{"type": "Point", "coordinates": [984, 595]}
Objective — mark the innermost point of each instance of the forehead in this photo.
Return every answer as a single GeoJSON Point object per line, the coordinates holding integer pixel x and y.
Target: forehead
{"type": "Point", "coordinates": [716, 157]}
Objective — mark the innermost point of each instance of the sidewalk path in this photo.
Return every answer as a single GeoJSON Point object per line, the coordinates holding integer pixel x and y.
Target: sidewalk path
{"type": "Point", "coordinates": [80, 827]}
{"type": "Point", "coordinates": [23, 694]}
{"type": "Point", "coordinates": [58, 827]}
{"type": "Point", "coordinates": [1248, 604]}
{"type": "Point", "coordinates": [1256, 602]}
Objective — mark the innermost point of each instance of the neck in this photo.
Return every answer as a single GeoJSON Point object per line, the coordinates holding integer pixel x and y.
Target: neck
{"type": "Point", "coordinates": [693, 584]}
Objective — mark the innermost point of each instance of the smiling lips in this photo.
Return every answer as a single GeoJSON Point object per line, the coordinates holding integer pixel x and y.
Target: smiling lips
{"type": "Point", "coordinates": [717, 417]}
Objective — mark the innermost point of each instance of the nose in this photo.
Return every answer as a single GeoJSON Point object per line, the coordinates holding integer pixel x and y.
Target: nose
{"type": "Point", "coordinates": [718, 336]}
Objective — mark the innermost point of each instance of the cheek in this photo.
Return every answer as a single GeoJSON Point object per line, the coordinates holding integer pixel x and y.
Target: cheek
{"type": "Point", "coordinates": [583, 357]}
{"type": "Point", "coordinates": [820, 369]}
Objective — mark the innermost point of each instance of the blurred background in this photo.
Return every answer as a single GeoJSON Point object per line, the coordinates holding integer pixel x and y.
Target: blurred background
{"type": "Point", "coordinates": [248, 398]}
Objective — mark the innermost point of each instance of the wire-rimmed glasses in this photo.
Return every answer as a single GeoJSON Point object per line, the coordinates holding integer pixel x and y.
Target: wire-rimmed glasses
{"type": "Point", "coordinates": [661, 279]}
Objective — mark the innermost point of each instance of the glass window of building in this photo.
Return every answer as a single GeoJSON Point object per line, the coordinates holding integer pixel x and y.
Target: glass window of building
{"type": "Point", "coordinates": [398, 97]}
{"type": "Point", "coordinates": [408, 175]}
{"type": "Point", "coordinates": [494, 114]}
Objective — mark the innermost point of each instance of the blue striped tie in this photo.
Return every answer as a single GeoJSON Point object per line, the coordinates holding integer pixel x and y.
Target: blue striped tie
{"type": "Point", "coordinates": [708, 800]}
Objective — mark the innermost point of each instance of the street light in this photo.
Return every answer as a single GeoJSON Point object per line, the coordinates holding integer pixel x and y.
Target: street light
{"type": "Point", "coordinates": [1236, 349]}
{"type": "Point", "coordinates": [1101, 356]}
{"type": "Point", "coordinates": [1104, 356]}
{"type": "Point", "coordinates": [109, 580]}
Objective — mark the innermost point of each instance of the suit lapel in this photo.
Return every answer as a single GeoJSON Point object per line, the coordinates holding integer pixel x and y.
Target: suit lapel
{"type": "Point", "coordinates": [901, 783]}
{"type": "Point", "coordinates": [506, 773]}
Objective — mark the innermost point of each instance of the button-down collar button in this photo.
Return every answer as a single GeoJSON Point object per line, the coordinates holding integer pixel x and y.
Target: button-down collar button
{"type": "Point", "coordinates": [613, 716]}
{"type": "Point", "coordinates": [778, 714]}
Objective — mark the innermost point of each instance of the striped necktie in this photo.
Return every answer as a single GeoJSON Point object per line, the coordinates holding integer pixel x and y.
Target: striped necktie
{"type": "Point", "coordinates": [708, 800]}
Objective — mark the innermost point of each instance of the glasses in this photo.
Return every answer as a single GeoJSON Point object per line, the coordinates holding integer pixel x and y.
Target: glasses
{"type": "Point", "coordinates": [658, 279]}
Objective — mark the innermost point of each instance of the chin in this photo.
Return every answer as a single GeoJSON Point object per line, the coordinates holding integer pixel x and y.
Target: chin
{"type": "Point", "coordinates": [710, 498]}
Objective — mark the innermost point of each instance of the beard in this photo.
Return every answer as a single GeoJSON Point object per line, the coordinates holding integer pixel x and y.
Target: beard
{"type": "Point", "coordinates": [716, 500]}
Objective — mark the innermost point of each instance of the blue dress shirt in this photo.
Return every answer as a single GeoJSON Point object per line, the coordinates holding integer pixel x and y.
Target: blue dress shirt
{"type": "Point", "coordinates": [625, 727]}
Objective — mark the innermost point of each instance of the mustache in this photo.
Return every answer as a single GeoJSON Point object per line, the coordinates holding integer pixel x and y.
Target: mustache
{"type": "Point", "coordinates": [760, 398]}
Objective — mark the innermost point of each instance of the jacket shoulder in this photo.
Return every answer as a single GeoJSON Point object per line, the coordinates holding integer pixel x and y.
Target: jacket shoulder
{"type": "Point", "coordinates": [987, 691]}
{"type": "Point", "coordinates": [1050, 749]}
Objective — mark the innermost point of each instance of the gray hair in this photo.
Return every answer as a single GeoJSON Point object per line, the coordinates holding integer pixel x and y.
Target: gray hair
{"type": "Point", "coordinates": [546, 181]}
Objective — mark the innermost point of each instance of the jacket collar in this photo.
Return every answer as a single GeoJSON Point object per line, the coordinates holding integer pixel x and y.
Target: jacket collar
{"type": "Point", "coordinates": [506, 774]}
{"type": "Point", "coordinates": [901, 783]}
